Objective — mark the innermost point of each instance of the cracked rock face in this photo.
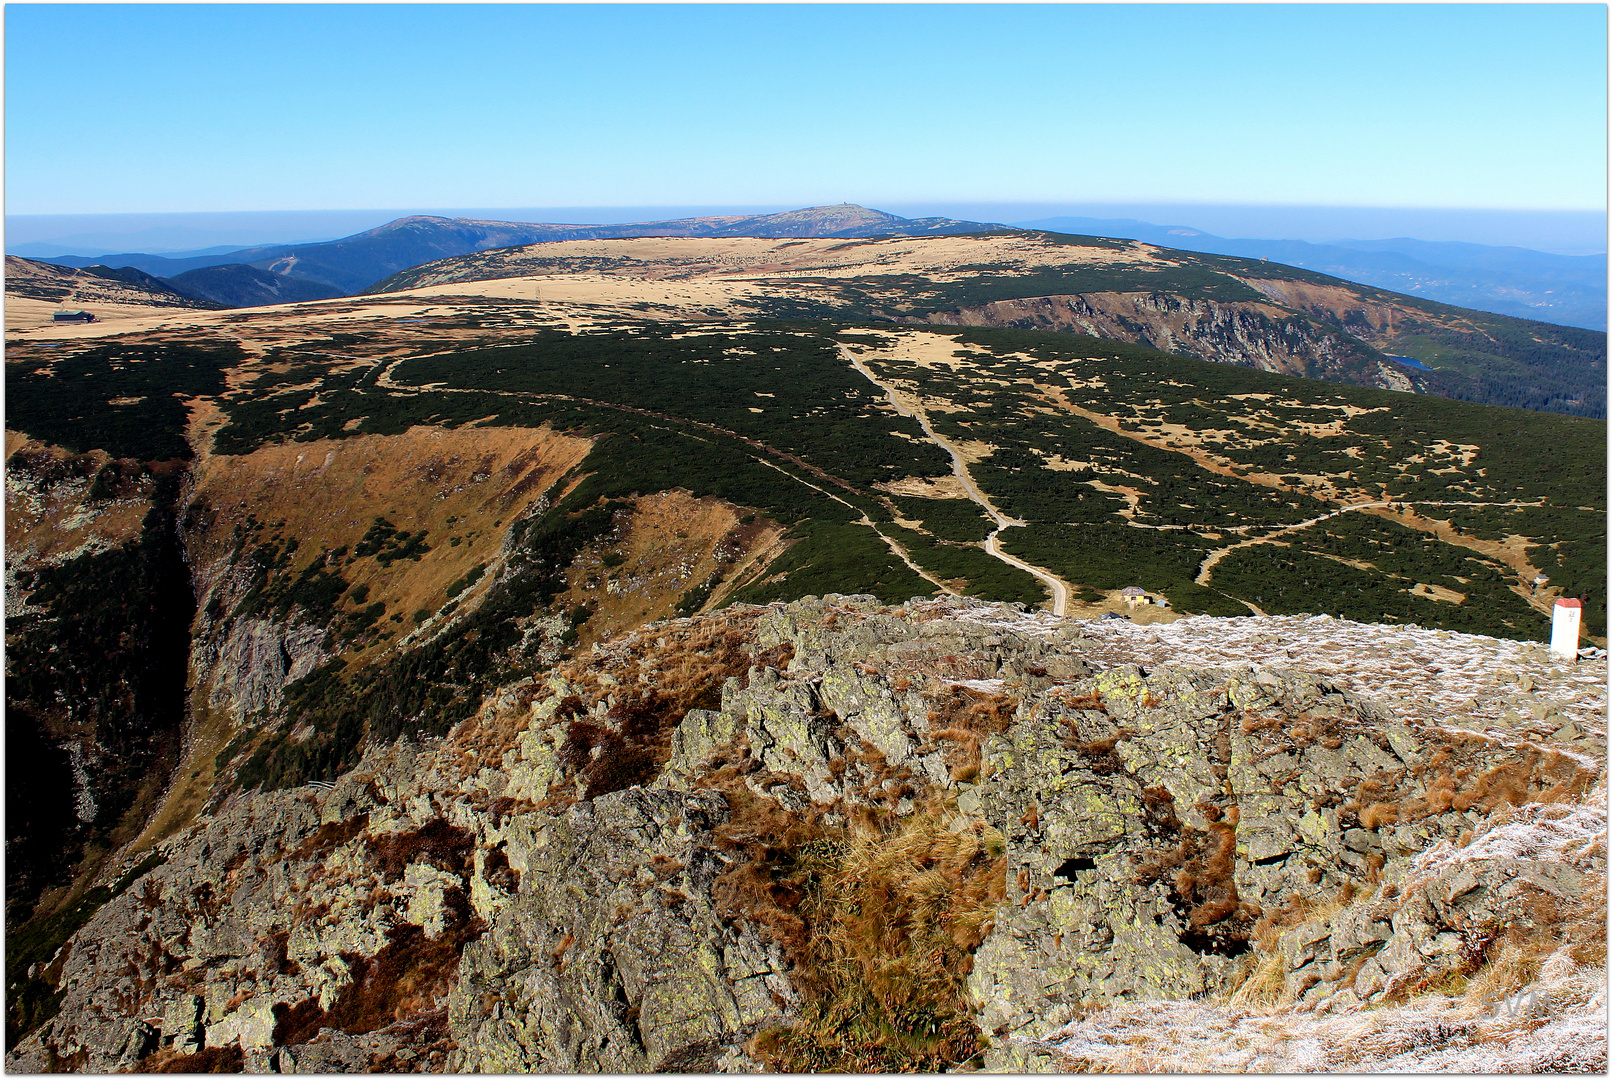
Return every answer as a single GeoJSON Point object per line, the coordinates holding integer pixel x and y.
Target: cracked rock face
{"type": "Point", "coordinates": [468, 906]}
{"type": "Point", "coordinates": [256, 661]}
{"type": "Point", "coordinates": [614, 959]}
{"type": "Point", "coordinates": [1251, 334]}
{"type": "Point", "coordinates": [1151, 820]}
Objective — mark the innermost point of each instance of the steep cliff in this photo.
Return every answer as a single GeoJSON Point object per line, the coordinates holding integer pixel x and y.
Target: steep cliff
{"type": "Point", "coordinates": [1262, 336]}
{"type": "Point", "coordinates": [98, 605]}
{"type": "Point", "coordinates": [836, 835]}
{"type": "Point", "coordinates": [159, 615]}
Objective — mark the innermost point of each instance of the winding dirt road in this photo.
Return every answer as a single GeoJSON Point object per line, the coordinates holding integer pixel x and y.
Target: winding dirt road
{"type": "Point", "coordinates": [1206, 568]}
{"type": "Point", "coordinates": [993, 547]}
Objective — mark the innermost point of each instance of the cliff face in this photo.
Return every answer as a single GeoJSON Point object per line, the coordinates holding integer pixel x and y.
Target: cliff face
{"type": "Point", "coordinates": [834, 835]}
{"type": "Point", "coordinates": [158, 615]}
{"type": "Point", "coordinates": [98, 606]}
{"type": "Point", "coordinates": [1261, 336]}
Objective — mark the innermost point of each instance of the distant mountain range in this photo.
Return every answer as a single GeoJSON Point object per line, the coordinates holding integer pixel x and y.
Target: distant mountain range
{"type": "Point", "coordinates": [1344, 331]}
{"type": "Point", "coordinates": [1569, 290]}
{"type": "Point", "coordinates": [1565, 289]}
{"type": "Point", "coordinates": [353, 263]}
{"type": "Point", "coordinates": [96, 286]}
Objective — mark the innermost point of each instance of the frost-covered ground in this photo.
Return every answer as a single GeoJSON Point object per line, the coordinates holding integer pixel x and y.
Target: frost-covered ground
{"type": "Point", "coordinates": [1512, 691]}
{"type": "Point", "coordinates": [1555, 1024]}
{"type": "Point", "coordinates": [1432, 1034]}
{"type": "Point", "coordinates": [1506, 688]}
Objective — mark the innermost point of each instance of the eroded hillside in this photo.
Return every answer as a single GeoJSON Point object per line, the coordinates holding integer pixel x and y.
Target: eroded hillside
{"type": "Point", "coordinates": [1247, 312]}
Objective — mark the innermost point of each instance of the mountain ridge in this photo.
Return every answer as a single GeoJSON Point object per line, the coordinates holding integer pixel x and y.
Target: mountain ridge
{"type": "Point", "coordinates": [1258, 313]}
{"type": "Point", "coordinates": [366, 257]}
{"type": "Point", "coordinates": [1455, 352]}
{"type": "Point", "coordinates": [1520, 282]}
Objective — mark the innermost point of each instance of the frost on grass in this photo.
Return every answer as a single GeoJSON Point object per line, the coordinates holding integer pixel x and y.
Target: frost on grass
{"type": "Point", "coordinates": [1433, 676]}
{"type": "Point", "coordinates": [1537, 1004]}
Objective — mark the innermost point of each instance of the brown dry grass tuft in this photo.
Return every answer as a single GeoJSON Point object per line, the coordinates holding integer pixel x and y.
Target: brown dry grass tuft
{"type": "Point", "coordinates": [1379, 814]}
{"type": "Point", "coordinates": [1512, 959]}
{"type": "Point", "coordinates": [410, 976]}
{"type": "Point", "coordinates": [963, 719]}
{"type": "Point", "coordinates": [1447, 783]}
{"type": "Point", "coordinates": [1200, 872]}
{"type": "Point", "coordinates": [879, 919]}
{"type": "Point", "coordinates": [214, 1059]}
{"type": "Point", "coordinates": [1263, 983]}
{"type": "Point", "coordinates": [446, 847]}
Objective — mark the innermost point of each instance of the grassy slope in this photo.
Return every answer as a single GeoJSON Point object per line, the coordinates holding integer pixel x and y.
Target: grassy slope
{"type": "Point", "coordinates": [785, 388]}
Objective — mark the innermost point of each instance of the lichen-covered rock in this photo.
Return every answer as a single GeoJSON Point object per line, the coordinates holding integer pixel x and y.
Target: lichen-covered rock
{"type": "Point", "coordinates": [282, 901]}
{"type": "Point", "coordinates": [613, 958]}
{"type": "Point", "coordinates": [560, 885]}
{"type": "Point", "coordinates": [1152, 819]}
{"type": "Point", "coordinates": [1450, 907]}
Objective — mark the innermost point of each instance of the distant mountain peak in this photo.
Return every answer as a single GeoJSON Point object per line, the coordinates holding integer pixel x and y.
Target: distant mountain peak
{"type": "Point", "coordinates": [410, 221]}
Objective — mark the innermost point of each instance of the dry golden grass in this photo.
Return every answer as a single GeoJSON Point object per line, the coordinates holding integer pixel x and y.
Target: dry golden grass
{"type": "Point", "coordinates": [879, 920]}
{"type": "Point", "coordinates": [1459, 776]}
{"type": "Point", "coordinates": [963, 718]}
{"type": "Point", "coordinates": [670, 544]}
{"type": "Point", "coordinates": [192, 781]}
{"type": "Point", "coordinates": [1262, 984]}
{"type": "Point", "coordinates": [461, 485]}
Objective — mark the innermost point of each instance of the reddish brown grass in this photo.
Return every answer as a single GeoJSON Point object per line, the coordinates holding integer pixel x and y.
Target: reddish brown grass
{"type": "Point", "coordinates": [412, 974]}
{"type": "Point", "coordinates": [962, 719]}
{"type": "Point", "coordinates": [878, 919]}
{"type": "Point", "coordinates": [436, 843]}
{"type": "Point", "coordinates": [214, 1059]}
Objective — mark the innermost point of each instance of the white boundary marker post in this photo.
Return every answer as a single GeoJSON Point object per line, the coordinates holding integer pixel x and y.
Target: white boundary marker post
{"type": "Point", "coordinates": [1564, 629]}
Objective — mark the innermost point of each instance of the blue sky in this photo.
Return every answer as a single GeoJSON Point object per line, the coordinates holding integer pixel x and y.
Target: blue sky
{"type": "Point", "coordinates": [147, 108]}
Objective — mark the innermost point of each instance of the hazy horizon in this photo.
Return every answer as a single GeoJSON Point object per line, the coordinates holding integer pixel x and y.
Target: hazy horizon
{"type": "Point", "coordinates": [1564, 232]}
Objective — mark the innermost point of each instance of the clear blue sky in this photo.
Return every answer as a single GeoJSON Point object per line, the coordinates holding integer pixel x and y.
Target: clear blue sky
{"type": "Point", "coordinates": [113, 109]}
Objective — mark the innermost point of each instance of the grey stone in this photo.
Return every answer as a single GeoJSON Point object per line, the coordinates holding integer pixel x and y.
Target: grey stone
{"type": "Point", "coordinates": [604, 949]}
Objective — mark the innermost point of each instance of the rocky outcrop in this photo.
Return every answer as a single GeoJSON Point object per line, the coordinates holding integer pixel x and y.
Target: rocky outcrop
{"type": "Point", "coordinates": [286, 916]}
{"type": "Point", "coordinates": [1257, 335]}
{"type": "Point", "coordinates": [615, 958]}
{"type": "Point", "coordinates": [604, 873]}
{"type": "Point", "coordinates": [1154, 821]}
{"type": "Point", "coordinates": [250, 668]}
{"type": "Point", "coordinates": [1489, 958]}
{"type": "Point", "coordinates": [1538, 870]}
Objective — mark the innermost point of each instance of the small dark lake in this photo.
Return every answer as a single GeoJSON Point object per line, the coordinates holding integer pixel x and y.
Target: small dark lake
{"type": "Point", "coordinates": [1408, 362]}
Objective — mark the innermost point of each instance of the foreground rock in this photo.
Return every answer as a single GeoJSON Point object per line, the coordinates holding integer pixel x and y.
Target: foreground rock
{"type": "Point", "coordinates": [712, 845]}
